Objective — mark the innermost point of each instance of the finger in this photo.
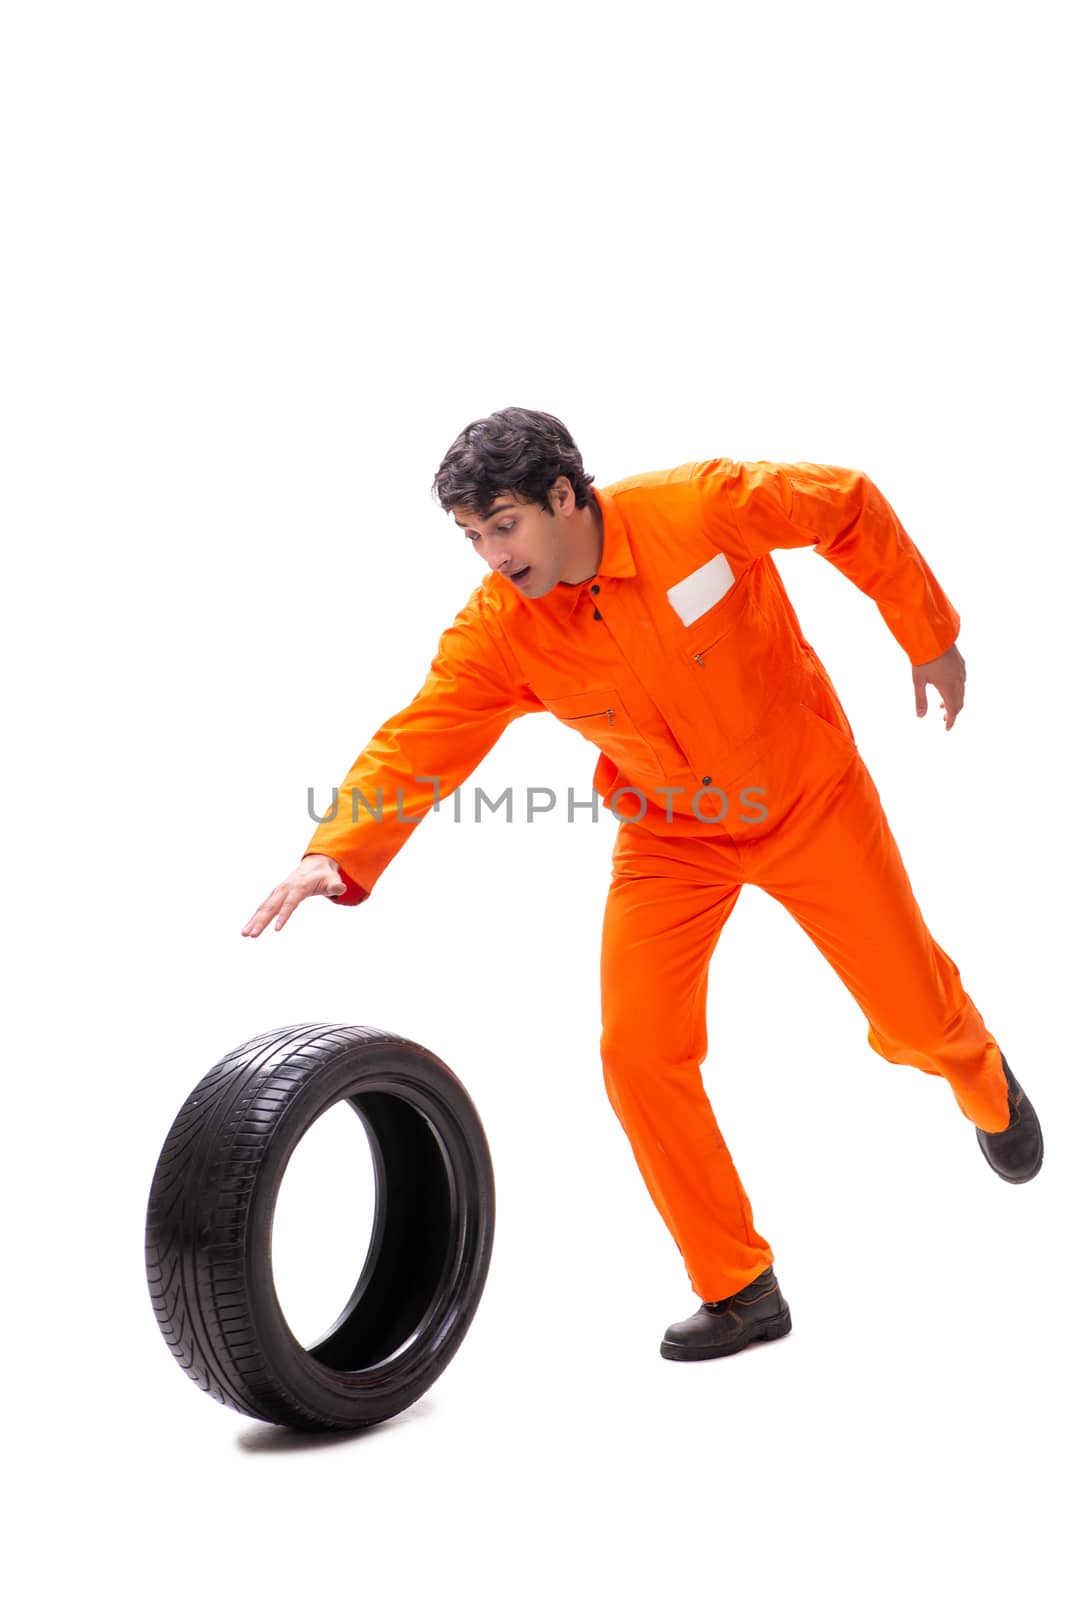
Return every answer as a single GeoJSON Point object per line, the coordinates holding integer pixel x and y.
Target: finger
{"type": "Point", "coordinates": [956, 704]}
{"type": "Point", "coordinates": [263, 913]}
{"type": "Point", "coordinates": [921, 699]}
{"type": "Point", "coordinates": [292, 901]}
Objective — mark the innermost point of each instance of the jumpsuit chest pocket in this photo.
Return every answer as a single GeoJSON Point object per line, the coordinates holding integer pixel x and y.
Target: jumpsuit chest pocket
{"type": "Point", "coordinates": [717, 621]}
{"type": "Point", "coordinates": [602, 718]}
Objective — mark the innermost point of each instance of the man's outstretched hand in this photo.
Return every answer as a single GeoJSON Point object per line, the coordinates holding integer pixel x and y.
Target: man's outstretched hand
{"type": "Point", "coordinates": [946, 673]}
{"type": "Point", "coordinates": [315, 875]}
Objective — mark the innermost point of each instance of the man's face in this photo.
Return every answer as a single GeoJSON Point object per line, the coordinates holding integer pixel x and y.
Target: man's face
{"type": "Point", "coordinates": [521, 540]}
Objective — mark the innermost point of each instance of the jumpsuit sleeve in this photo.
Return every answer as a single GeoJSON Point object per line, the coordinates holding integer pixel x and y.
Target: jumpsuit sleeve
{"type": "Point", "coordinates": [423, 752]}
{"type": "Point", "coordinates": [767, 505]}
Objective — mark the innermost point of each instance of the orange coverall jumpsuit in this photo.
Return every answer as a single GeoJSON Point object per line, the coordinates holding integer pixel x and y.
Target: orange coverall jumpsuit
{"type": "Point", "coordinates": [732, 762]}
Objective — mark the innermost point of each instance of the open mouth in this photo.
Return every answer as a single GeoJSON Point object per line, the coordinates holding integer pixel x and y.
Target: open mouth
{"type": "Point", "coordinates": [520, 576]}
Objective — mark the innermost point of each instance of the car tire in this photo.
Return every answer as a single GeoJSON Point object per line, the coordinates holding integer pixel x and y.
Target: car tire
{"type": "Point", "coordinates": [211, 1210]}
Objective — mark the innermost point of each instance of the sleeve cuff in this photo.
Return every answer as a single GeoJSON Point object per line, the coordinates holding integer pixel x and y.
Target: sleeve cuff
{"type": "Point", "coordinates": [935, 646]}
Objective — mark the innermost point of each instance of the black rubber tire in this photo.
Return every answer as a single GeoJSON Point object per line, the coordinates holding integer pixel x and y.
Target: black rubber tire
{"type": "Point", "coordinates": [211, 1209]}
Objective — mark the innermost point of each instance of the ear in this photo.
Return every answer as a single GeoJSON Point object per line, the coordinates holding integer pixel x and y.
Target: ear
{"type": "Point", "coordinates": [562, 495]}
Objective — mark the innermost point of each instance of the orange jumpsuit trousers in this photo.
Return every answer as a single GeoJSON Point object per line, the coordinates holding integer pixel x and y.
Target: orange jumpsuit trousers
{"type": "Point", "coordinates": [832, 861]}
{"type": "Point", "coordinates": [683, 662]}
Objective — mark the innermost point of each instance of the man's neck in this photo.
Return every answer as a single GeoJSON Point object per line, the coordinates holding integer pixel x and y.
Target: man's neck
{"type": "Point", "coordinates": [589, 542]}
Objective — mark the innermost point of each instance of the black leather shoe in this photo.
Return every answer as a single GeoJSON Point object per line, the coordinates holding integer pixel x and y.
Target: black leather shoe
{"type": "Point", "coordinates": [722, 1327]}
{"type": "Point", "coordinates": [1016, 1152]}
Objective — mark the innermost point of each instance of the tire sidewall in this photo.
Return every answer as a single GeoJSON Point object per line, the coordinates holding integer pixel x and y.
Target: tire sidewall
{"type": "Point", "coordinates": [406, 1070]}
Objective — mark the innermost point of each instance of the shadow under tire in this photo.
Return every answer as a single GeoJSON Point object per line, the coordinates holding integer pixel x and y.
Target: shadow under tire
{"type": "Point", "coordinates": [211, 1210]}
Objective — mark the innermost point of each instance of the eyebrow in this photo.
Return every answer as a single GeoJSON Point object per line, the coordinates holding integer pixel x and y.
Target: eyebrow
{"type": "Point", "coordinates": [509, 505]}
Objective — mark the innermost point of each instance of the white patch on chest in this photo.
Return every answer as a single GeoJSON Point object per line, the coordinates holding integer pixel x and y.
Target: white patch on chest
{"type": "Point", "coordinates": [700, 590]}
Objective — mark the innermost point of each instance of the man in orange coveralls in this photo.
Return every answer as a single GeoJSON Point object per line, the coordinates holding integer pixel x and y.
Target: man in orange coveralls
{"type": "Point", "coordinates": [650, 616]}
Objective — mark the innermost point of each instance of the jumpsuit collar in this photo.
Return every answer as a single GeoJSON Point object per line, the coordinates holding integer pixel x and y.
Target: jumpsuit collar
{"type": "Point", "coordinates": [616, 558]}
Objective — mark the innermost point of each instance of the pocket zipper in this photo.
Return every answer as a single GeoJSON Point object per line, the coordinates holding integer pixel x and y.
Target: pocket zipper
{"type": "Point", "coordinates": [583, 716]}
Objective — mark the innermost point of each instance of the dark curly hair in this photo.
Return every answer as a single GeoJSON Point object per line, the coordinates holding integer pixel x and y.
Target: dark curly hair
{"type": "Point", "coordinates": [514, 449]}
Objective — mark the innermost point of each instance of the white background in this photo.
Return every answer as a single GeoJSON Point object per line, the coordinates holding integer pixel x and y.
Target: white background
{"type": "Point", "coordinates": [262, 263]}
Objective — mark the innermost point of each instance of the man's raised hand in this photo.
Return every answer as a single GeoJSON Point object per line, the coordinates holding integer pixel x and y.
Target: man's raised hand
{"type": "Point", "coordinates": [946, 673]}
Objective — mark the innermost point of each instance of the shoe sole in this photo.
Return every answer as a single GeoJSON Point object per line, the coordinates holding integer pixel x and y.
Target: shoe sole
{"type": "Point", "coordinates": [762, 1332]}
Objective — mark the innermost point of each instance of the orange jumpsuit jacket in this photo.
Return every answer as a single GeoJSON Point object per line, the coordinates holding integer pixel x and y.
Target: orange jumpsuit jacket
{"type": "Point", "coordinates": [681, 659]}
